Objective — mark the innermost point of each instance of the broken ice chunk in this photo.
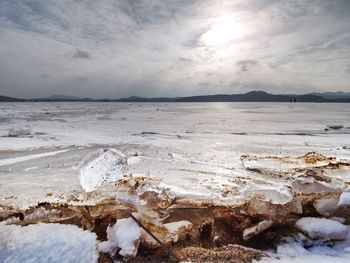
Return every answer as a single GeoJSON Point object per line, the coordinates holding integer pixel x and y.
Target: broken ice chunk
{"type": "Point", "coordinates": [310, 186]}
{"type": "Point", "coordinates": [100, 167]}
{"type": "Point", "coordinates": [15, 132]}
{"type": "Point", "coordinates": [257, 229]}
{"type": "Point", "coordinates": [322, 228]}
{"type": "Point", "coordinates": [124, 236]}
{"type": "Point", "coordinates": [326, 206]}
{"type": "Point", "coordinates": [178, 229]}
{"type": "Point", "coordinates": [344, 199]}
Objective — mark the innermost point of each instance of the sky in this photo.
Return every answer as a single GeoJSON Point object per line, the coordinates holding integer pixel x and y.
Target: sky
{"type": "Point", "coordinates": [154, 48]}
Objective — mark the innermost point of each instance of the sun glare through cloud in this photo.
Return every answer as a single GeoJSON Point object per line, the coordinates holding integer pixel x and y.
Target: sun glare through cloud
{"type": "Point", "coordinates": [223, 31]}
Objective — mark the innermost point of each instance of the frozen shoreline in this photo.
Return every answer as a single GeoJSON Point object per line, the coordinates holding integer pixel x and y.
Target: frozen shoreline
{"type": "Point", "coordinates": [226, 154]}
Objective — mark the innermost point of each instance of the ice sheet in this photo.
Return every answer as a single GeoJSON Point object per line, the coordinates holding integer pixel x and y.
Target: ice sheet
{"type": "Point", "coordinates": [195, 149]}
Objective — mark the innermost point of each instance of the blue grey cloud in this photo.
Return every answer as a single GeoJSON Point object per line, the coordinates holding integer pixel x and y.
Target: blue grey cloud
{"type": "Point", "coordinates": [246, 64]}
{"type": "Point", "coordinates": [81, 54]}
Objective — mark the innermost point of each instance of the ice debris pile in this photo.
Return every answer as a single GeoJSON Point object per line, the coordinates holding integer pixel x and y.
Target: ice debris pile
{"type": "Point", "coordinates": [102, 166]}
{"type": "Point", "coordinates": [314, 212]}
{"type": "Point", "coordinates": [21, 131]}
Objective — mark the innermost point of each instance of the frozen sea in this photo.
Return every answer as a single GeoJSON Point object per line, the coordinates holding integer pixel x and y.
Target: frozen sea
{"type": "Point", "coordinates": [196, 146]}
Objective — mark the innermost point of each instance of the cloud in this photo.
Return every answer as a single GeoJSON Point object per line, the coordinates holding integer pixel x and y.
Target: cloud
{"type": "Point", "coordinates": [82, 78]}
{"type": "Point", "coordinates": [81, 54]}
{"type": "Point", "coordinates": [45, 75]}
{"type": "Point", "coordinates": [155, 48]}
{"type": "Point", "coordinates": [246, 64]}
{"type": "Point", "coordinates": [348, 69]}
{"type": "Point", "coordinates": [185, 59]}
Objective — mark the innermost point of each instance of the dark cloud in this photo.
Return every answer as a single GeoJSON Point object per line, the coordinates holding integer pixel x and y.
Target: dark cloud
{"type": "Point", "coordinates": [246, 64]}
{"type": "Point", "coordinates": [81, 54]}
{"type": "Point", "coordinates": [45, 76]}
{"type": "Point", "coordinates": [82, 78]}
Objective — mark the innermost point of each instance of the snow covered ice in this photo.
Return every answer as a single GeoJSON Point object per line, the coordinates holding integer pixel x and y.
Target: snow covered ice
{"type": "Point", "coordinates": [100, 167]}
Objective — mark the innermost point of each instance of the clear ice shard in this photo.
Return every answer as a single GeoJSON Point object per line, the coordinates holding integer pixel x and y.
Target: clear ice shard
{"type": "Point", "coordinates": [100, 167]}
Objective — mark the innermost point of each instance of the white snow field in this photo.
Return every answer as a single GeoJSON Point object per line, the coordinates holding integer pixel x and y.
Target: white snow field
{"type": "Point", "coordinates": [222, 152]}
{"type": "Point", "coordinates": [47, 243]}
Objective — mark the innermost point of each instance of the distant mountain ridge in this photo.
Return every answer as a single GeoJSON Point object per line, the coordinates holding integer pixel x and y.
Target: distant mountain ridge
{"type": "Point", "coordinates": [57, 97]}
{"type": "Point", "coordinates": [62, 97]}
{"type": "Point", "coordinates": [332, 95]}
{"type": "Point", "coordinates": [252, 96]}
{"type": "Point", "coordinates": [9, 99]}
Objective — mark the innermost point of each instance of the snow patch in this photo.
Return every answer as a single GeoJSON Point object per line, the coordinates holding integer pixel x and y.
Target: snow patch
{"type": "Point", "coordinates": [123, 236]}
{"type": "Point", "coordinates": [47, 243]}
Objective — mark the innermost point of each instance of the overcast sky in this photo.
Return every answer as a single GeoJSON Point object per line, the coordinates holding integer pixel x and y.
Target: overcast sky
{"type": "Point", "coordinates": [112, 49]}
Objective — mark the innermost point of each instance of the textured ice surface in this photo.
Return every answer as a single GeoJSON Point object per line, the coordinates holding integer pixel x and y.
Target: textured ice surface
{"type": "Point", "coordinates": [47, 243]}
{"type": "Point", "coordinates": [123, 236]}
{"type": "Point", "coordinates": [195, 147]}
{"type": "Point", "coordinates": [322, 228]}
{"type": "Point", "coordinates": [102, 166]}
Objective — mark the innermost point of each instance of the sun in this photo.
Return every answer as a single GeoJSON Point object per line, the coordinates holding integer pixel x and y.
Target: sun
{"type": "Point", "coordinates": [223, 32]}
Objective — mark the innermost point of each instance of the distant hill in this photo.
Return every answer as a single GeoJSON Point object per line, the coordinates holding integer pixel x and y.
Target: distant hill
{"type": "Point", "coordinates": [9, 99]}
{"type": "Point", "coordinates": [61, 98]}
{"type": "Point", "coordinates": [143, 99]}
{"type": "Point", "coordinates": [332, 95]}
{"type": "Point", "coordinates": [252, 96]}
